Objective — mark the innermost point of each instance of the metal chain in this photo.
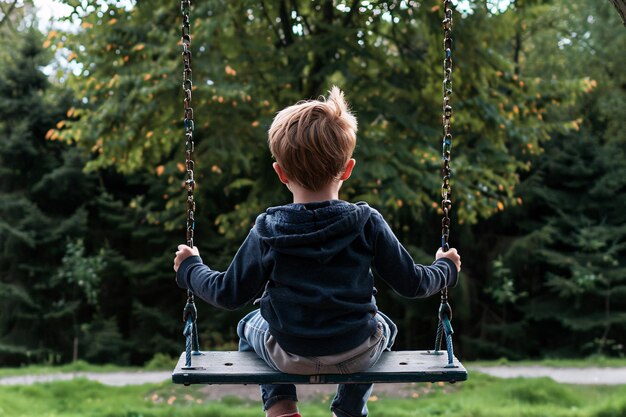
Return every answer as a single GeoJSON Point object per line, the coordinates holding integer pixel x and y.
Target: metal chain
{"type": "Point", "coordinates": [189, 312]}
{"type": "Point", "coordinates": [185, 7]}
{"type": "Point", "coordinates": [445, 312]}
{"type": "Point", "coordinates": [446, 189]}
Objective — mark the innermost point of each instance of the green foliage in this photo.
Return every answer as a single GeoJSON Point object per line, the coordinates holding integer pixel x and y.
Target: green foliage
{"type": "Point", "coordinates": [82, 271]}
{"type": "Point", "coordinates": [34, 220]}
{"type": "Point", "coordinates": [566, 246]}
{"type": "Point", "coordinates": [161, 361]}
{"type": "Point", "coordinates": [253, 58]}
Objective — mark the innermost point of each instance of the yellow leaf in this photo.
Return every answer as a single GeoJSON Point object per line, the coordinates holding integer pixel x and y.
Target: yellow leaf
{"type": "Point", "coordinates": [113, 81]}
{"type": "Point", "coordinates": [149, 134]}
{"type": "Point", "coordinates": [87, 25]}
{"type": "Point", "coordinates": [49, 133]}
{"type": "Point", "coordinates": [147, 77]}
{"type": "Point", "coordinates": [139, 47]}
{"type": "Point", "coordinates": [97, 146]}
{"type": "Point", "coordinates": [60, 124]}
{"type": "Point", "coordinates": [255, 123]}
{"type": "Point", "coordinates": [70, 112]}
{"type": "Point", "coordinates": [180, 167]}
{"type": "Point", "coordinates": [47, 44]}
{"type": "Point", "coordinates": [112, 21]}
{"type": "Point", "coordinates": [160, 170]}
{"type": "Point", "coordinates": [500, 206]}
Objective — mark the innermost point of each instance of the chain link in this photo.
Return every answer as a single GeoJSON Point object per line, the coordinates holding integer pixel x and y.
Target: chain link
{"type": "Point", "coordinates": [190, 183]}
{"type": "Point", "coordinates": [446, 189]}
{"type": "Point", "coordinates": [446, 172]}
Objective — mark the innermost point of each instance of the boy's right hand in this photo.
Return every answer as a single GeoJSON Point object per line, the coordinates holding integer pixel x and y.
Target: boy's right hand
{"type": "Point", "coordinates": [183, 253]}
{"type": "Point", "coordinates": [451, 254]}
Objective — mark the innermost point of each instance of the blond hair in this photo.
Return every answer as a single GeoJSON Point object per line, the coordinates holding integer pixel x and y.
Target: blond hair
{"type": "Point", "coordinates": [314, 139]}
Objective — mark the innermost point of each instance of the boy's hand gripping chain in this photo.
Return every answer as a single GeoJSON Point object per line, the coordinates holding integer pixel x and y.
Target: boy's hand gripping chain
{"type": "Point", "coordinates": [445, 312]}
{"type": "Point", "coordinates": [190, 313]}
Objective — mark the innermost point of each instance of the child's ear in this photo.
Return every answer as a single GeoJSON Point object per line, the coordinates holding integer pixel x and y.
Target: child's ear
{"type": "Point", "coordinates": [281, 173]}
{"type": "Point", "coordinates": [348, 170]}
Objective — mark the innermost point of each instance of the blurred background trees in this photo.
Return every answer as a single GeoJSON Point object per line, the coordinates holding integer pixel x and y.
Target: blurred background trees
{"type": "Point", "coordinates": [91, 160]}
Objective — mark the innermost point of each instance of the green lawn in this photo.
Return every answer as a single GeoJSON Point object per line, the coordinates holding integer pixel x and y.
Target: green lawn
{"type": "Point", "coordinates": [599, 361]}
{"type": "Point", "coordinates": [481, 396]}
{"type": "Point", "coordinates": [79, 366]}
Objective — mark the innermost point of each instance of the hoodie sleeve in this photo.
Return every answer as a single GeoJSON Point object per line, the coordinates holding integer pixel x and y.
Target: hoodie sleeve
{"type": "Point", "coordinates": [395, 266]}
{"type": "Point", "coordinates": [233, 288]}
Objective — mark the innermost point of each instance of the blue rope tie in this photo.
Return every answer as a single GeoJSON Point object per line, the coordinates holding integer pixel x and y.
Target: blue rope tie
{"type": "Point", "coordinates": [188, 332]}
{"type": "Point", "coordinates": [438, 337]}
{"type": "Point", "coordinates": [447, 327]}
{"type": "Point", "coordinates": [196, 342]}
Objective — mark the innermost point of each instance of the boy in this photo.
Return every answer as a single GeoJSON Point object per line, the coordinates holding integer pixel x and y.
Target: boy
{"type": "Point", "coordinates": [314, 259]}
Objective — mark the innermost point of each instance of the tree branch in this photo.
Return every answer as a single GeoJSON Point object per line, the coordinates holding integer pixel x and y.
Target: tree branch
{"type": "Point", "coordinates": [271, 23]}
{"type": "Point", "coordinates": [285, 21]}
{"type": "Point", "coordinates": [620, 5]}
{"type": "Point", "coordinates": [7, 15]}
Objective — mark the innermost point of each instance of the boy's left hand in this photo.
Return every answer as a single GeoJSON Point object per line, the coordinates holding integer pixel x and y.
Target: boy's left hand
{"type": "Point", "coordinates": [183, 253]}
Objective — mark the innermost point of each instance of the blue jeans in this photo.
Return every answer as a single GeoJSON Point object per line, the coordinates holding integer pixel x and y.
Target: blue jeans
{"type": "Point", "coordinates": [350, 400]}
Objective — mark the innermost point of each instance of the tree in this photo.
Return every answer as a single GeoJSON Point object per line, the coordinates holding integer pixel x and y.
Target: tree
{"type": "Point", "coordinates": [253, 58]}
{"type": "Point", "coordinates": [41, 189]}
{"type": "Point", "coordinates": [564, 249]}
{"type": "Point", "coordinates": [620, 5]}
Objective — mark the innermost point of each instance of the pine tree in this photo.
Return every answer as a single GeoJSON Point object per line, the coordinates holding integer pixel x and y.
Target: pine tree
{"type": "Point", "coordinates": [565, 262]}
{"type": "Point", "coordinates": [41, 190]}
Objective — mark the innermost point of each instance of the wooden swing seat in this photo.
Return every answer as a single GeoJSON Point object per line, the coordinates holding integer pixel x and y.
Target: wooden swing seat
{"type": "Point", "coordinates": [217, 367]}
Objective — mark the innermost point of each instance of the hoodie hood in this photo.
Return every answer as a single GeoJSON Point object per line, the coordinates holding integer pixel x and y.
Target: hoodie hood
{"type": "Point", "coordinates": [317, 230]}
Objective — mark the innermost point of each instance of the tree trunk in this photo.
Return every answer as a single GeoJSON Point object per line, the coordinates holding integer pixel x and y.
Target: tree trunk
{"type": "Point", "coordinates": [620, 5]}
{"type": "Point", "coordinates": [75, 352]}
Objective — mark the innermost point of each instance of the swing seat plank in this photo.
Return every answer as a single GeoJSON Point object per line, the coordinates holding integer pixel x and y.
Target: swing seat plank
{"type": "Point", "coordinates": [217, 367]}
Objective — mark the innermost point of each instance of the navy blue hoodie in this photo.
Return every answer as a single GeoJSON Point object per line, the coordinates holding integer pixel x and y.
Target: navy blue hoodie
{"type": "Point", "coordinates": [315, 262]}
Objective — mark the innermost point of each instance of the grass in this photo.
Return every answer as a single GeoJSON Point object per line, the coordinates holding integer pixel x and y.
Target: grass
{"type": "Point", "coordinates": [159, 362]}
{"type": "Point", "coordinates": [595, 361]}
{"type": "Point", "coordinates": [481, 396]}
{"type": "Point", "coordinates": [79, 366]}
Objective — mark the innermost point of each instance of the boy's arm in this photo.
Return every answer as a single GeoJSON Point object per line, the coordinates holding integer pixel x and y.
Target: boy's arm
{"type": "Point", "coordinates": [240, 283]}
{"type": "Point", "coordinates": [395, 266]}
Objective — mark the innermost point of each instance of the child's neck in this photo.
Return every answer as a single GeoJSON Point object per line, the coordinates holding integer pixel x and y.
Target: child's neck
{"type": "Point", "coordinates": [302, 195]}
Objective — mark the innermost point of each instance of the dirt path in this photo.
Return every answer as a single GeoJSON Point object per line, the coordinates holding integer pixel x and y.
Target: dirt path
{"type": "Point", "coordinates": [591, 376]}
